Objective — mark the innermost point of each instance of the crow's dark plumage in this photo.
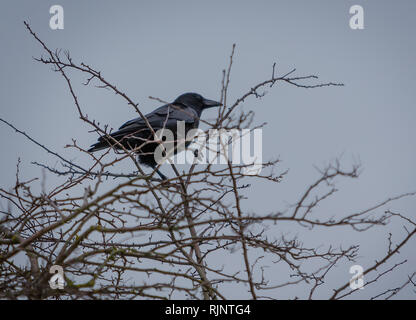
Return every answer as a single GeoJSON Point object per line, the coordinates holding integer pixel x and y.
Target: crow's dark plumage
{"type": "Point", "coordinates": [187, 107]}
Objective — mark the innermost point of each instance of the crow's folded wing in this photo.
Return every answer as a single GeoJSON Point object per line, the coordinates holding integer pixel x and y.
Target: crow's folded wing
{"type": "Point", "coordinates": [166, 116]}
{"type": "Point", "coordinates": [163, 117]}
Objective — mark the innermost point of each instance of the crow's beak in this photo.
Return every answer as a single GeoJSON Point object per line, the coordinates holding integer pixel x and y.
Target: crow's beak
{"type": "Point", "coordinates": [211, 103]}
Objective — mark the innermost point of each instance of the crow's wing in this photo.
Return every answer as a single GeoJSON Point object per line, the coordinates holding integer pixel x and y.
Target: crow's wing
{"type": "Point", "coordinates": [166, 116]}
{"type": "Point", "coordinates": [163, 117]}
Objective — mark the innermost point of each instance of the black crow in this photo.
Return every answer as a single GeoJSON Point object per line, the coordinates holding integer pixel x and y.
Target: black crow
{"type": "Point", "coordinates": [136, 134]}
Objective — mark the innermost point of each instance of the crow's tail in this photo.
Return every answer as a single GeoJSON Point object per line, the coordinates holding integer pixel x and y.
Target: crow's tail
{"type": "Point", "coordinates": [106, 142]}
{"type": "Point", "coordinates": [98, 146]}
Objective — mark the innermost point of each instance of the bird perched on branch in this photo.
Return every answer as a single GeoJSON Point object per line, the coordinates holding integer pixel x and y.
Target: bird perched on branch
{"type": "Point", "coordinates": [135, 134]}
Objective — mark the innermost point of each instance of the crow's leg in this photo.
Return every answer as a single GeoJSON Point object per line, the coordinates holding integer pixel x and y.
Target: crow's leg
{"type": "Point", "coordinates": [161, 175]}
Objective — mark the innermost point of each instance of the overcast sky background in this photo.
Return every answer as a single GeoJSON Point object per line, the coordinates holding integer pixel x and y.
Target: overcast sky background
{"type": "Point", "coordinates": [165, 48]}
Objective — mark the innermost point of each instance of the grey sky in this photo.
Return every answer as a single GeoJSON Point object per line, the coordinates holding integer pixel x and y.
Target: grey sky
{"type": "Point", "coordinates": [165, 48]}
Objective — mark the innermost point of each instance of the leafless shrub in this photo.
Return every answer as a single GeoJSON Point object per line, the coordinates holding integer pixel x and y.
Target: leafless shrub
{"type": "Point", "coordinates": [142, 237]}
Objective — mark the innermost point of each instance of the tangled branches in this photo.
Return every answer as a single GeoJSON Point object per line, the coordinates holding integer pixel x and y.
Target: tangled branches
{"type": "Point", "coordinates": [134, 236]}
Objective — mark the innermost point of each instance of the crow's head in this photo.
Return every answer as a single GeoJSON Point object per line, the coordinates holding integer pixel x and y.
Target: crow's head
{"type": "Point", "coordinates": [195, 101]}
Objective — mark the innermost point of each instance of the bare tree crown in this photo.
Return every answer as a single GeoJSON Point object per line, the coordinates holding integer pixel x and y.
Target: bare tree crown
{"type": "Point", "coordinates": [130, 235]}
